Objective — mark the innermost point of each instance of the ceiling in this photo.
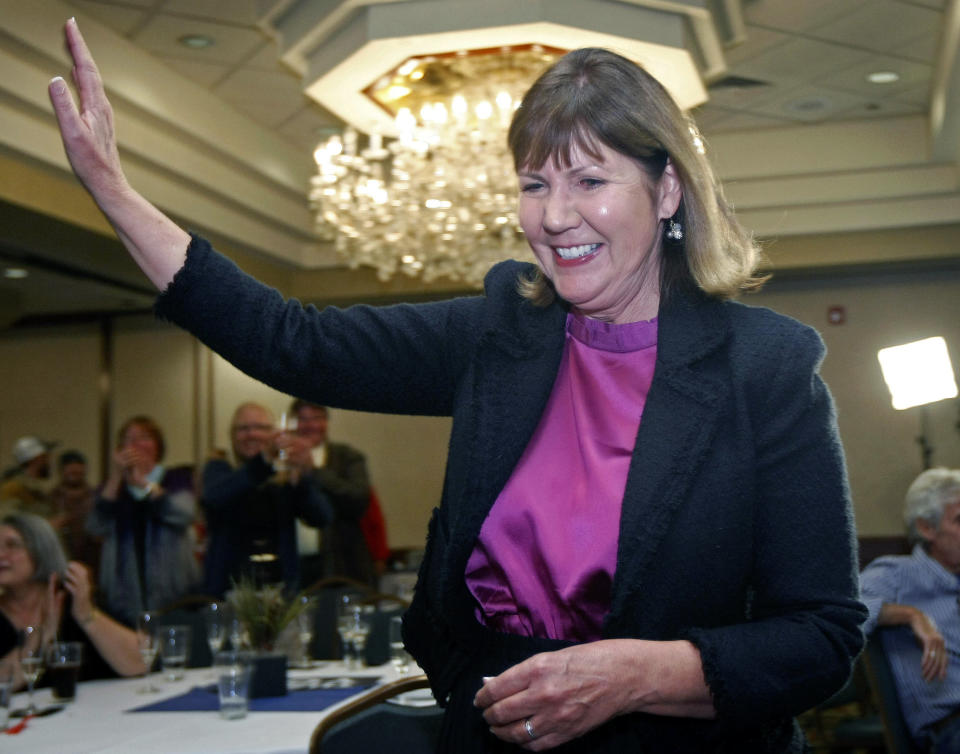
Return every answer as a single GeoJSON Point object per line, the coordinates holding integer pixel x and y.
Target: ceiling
{"type": "Point", "coordinates": [221, 137]}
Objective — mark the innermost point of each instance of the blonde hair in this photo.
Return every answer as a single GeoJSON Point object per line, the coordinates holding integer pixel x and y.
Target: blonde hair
{"type": "Point", "coordinates": [593, 96]}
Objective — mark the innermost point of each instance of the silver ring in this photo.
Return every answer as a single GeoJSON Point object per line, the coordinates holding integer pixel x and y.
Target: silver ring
{"type": "Point", "coordinates": [528, 727]}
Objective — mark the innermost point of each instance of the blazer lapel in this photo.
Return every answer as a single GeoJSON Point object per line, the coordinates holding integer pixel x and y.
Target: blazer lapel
{"type": "Point", "coordinates": [677, 428]}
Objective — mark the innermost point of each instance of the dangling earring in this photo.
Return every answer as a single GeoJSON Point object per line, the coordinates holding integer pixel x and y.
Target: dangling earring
{"type": "Point", "coordinates": [674, 230]}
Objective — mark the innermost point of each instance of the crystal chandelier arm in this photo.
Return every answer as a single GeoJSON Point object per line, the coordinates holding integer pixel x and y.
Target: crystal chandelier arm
{"type": "Point", "coordinates": [362, 358]}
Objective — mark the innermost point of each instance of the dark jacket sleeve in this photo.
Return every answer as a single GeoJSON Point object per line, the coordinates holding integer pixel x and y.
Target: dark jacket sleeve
{"type": "Point", "coordinates": [362, 358]}
{"type": "Point", "coordinates": [804, 620]}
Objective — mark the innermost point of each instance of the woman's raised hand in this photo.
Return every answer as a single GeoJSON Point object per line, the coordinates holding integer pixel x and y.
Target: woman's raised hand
{"type": "Point", "coordinates": [88, 134]}
{"type": "Point", "coordinates": [156, 243]}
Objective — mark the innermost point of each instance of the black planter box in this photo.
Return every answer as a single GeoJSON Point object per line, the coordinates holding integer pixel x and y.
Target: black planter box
{"type": "Point", "coordinates": [269, 675]}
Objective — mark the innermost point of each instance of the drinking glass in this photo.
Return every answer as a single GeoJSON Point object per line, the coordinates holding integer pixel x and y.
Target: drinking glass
{"type": "Point", "coordinates": [215, 617]}
{"type": "Point", "coordinates": [149, 644]}
{"type": "Point", "coordinates": [63, 668]}
{"type": "Point", "coordinates": [398, 653]}
{"type": "Point", "coordinates": [174, 649]}
{"type": "Point", "coordinates": [7, 677]}
{"type": "Point", "coordinates": [31, 661]}
{"type": "Point", "coordinates": [233, 670]}
{"type": "Point", "coordinates": [353, 625]}
{"type": "Point", "coordinates": [305, 619]}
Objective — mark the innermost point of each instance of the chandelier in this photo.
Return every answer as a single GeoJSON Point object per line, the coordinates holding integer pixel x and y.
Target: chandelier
{"type": "Point", "coordinates": [436, 198]}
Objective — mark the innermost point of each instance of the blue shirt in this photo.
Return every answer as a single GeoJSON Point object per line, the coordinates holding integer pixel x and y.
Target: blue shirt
{"type": "Point", "coordinates": [921, 582]}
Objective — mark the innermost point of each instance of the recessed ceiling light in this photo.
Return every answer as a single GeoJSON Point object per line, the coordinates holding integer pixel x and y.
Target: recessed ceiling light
{"type": "Point", "coordinates": [196, 41]}
{"type": "Point", "coordinates": [809, 105]}
{"type": "Point", "coordinates": [15, 273]}
{"type": "Point", "coordinates": [883, 77]}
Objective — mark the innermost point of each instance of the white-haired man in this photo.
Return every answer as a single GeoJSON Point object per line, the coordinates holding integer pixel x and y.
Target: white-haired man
{"type": "Point", "coordinates": [918, 593]}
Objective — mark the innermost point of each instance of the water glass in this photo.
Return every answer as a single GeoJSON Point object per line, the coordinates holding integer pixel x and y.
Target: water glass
{"type": "Point", "coordinates": [233, 671]}
{"type": "Point", "coordinates": [7, 676]}
{"type": "Point", "coordinates": [174, 650]}
{"type": "Point", "coordinates": [63, 668]}
{"type": "Point", "coordinates": [398, 654]}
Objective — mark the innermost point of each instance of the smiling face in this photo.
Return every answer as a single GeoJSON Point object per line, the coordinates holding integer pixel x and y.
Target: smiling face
{"type": "Point", "coordinates": [943, 541]}
{"type": "Point", "coordinates": [16, 565]}
{"type": "Point", "coordinates": [595, 227]}
{"type": "Point", "coordinates": [252, 426]}
{"type": "Point", "coordinates": [312, 424]}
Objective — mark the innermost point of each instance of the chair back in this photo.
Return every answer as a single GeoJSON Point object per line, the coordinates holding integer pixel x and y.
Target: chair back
{"type": "Point", "coordinates": [326, 593]}
{"type": "Point", "coordinates": [371, 723]}
{"type": "Point", "coordinates": [880, 676]}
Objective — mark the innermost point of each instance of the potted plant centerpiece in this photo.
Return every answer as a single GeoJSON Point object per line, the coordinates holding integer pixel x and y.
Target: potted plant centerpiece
{"type": "Point", "coordinates": [263, 612]}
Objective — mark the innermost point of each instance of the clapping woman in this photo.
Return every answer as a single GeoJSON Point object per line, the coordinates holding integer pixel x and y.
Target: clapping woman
{"type": "Point", "coordinates": [645, 537]}
{"type": "Point", "coordinates": [143, 512]}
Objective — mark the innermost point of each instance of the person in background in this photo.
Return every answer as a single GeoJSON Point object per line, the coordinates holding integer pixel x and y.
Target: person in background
{"type": "Point", "coordinates": [39, 588]}
{"type": "Point", "coordinates": [143, 513]}
{"type": "Point", "coordinates": [920, 593]}
{"type": "Point", "coordinates": [251, 510]}
{"type": "Point", "coordinates": [645, 540]}
{"type": "Point", "coordinates": [340, 473]}
{"type": "Point", "coordinates": [27, 483]}
{"type": "Point", "coordinates": [374, 527]}
{"type": "Point", "coordinates": [71, 501]}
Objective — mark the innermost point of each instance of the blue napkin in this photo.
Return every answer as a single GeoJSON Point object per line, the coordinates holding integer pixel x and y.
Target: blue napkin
{"type": "Point", "coordinates": [206, 699]}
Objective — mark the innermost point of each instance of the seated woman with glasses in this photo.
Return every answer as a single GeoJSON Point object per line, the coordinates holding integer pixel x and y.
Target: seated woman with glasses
{"type": "Point", "coordinates": [40, 589]}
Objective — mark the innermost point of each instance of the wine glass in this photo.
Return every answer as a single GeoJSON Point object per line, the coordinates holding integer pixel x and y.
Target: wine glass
{"type": "Point", "coordinates": [353, 625]}
{"type": "Point", "coordinates": [346, 622]}
{"type": "Point", "coordinates": [287, 424]}
{"type": "Point", "coordinates": [215, 616]}
{"type": "Point", "coordinates": [305, 620]}
{"type": "Point", "coordinates": [31, 662]}
{"type": "Point", "coordinates": [398, 653]}
{"type": "Point", "coordinates": [149, 645]}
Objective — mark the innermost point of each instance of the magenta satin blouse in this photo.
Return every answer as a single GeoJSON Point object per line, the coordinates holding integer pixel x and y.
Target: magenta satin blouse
{"type": "Point", "coordinates": [544, 563]}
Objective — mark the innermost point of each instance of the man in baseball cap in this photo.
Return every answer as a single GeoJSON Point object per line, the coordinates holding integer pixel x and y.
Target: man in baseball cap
{"type": "Point", "coordinates": [27, 481]}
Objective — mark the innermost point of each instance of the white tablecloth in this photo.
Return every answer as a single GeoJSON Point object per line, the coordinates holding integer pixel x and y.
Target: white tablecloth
{"type": "Point", "coordinates": [99, 721]}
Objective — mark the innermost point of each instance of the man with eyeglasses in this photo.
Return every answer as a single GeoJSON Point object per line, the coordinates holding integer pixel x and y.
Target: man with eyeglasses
{"type": "Point", "coordinates": [252, 507]}
{"type": "Point", "coordinates": [917, 594]}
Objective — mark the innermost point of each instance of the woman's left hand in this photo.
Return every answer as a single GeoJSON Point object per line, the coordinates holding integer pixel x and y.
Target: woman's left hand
{"type": "Point", "coordinates": [563, 694]}
{"type": "Point", "coordinates": [554, 697]}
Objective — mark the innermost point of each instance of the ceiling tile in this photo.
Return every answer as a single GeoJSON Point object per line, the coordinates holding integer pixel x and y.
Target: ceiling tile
{"type": "Point", "coordinates": [121, 20]}
{"type": "Point", "coordinates": [809, 104]}
{"type": "Point", "coordinates": [232, 44]}
{"type": "Point", "coordinates": [240, 12]}
{"type": "Point", "coordinates": [796, 15]}
{"type": "Point", "coordinates": [923, 49]}
{"type": "Point", "coordinates": [758, 40]}
{"type": "Point", "coordinates": [202, 72]}
{"type": "Point", "coordinates": [854, 78]}
{"type": "Point", "coordinates": [882, 25]}
{"type": "Point", "coordinates": [309, 126]}
{"type": "Point", "coordinates": [800, 60]}
{"type": "Point", "coordinates": [748, 122]}
{"type": "Point", "coordinates": [269, 97]}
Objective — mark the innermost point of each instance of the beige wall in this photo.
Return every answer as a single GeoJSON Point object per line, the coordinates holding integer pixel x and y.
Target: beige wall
{"type": "Point", "coordinates": [48, 384]}
{"type": "Point", "coordinates": [882, 454]}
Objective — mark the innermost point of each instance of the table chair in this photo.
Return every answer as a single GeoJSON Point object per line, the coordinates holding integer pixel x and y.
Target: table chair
{"type": "Point", "coordinates": [371, 723]}
{"type": "Point", "coordinates": [880, 677]}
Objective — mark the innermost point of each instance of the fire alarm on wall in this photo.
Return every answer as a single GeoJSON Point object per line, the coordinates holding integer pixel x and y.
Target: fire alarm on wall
{"type": "Point", "coordinates": [837, 315]}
